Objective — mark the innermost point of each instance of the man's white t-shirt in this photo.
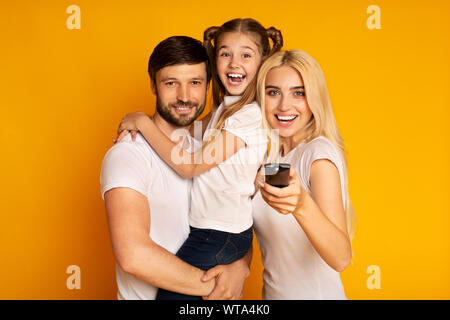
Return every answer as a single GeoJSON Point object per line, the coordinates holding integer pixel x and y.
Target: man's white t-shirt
{"type": "Point", "coordinates": [293, 270]}
{"type": "Point", "coordinates": [220, 197]}
{"type": "Point", "coordinates": [137, 166]}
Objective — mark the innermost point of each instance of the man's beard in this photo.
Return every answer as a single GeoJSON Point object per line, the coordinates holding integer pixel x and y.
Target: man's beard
{"type": "Point", "coordinates": [179, 120]}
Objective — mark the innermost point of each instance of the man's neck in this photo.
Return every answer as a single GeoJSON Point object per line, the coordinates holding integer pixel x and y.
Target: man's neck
{"type": "Point", "coordinates": [166, 127]}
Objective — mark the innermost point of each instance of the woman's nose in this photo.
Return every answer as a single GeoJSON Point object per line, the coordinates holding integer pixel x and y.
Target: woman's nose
{"type": "Point", "coordinates": [284, 104]}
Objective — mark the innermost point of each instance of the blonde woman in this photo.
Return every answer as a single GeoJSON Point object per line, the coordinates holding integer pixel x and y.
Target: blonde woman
{"type": "Point", "coordinates": [305, 229]}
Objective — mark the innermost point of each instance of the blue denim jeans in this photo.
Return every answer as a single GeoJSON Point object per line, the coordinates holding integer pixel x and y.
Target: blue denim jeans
{"type": "Point", "coordinates": [205, 249]}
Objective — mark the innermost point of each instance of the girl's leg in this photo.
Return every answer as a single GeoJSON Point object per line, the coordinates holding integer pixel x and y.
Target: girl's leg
{"type": "Point", "coordinates": [206, 248]}
{"type": "Point", "coordinates": [236, 247]}
{"type": "Point", "coordinates": [199, 250]}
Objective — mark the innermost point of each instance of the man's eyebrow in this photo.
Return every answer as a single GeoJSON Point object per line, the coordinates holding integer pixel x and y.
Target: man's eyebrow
{"type": "Point", "coordinates": [167, 79]}
{"type": "Point", "coordinates": [176, 79]}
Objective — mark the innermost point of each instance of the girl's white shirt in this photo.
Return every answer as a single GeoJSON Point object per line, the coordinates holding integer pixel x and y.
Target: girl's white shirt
{"type": "Point", "coordinates": [220, 197]}
{"type": "Point", "coordinates": [292, 267]}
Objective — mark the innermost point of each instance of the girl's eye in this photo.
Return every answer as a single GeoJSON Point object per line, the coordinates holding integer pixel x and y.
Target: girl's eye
{"type": "Point", "coordinates": [273, 93]}
{"type": "Point", "coordinates": [224, 54]}
{"type": "Point", "coordinates": [299, 93]}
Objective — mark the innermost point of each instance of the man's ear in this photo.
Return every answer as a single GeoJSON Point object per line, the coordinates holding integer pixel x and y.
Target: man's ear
{"type": "Point", "coordinates": [153, 86]}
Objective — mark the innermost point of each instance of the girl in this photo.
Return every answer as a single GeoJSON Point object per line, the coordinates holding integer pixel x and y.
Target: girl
{"type": "Point", "coordinates": [224, 170]}
{"type": "Point", "coordinates": [306, 246]}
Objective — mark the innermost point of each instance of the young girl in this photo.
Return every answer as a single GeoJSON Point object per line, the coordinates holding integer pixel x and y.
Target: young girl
{"type": "Point", "coordinates": [235, 143]}
{"type": "Point", "coordinates": [306, 246]}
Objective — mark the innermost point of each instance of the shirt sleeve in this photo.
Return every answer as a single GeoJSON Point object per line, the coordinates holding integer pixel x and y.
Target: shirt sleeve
{"type": "Point", "coordinates": [316, 150]}
{"type": "Point", "coordinates": [125, 166]}
{"type": "Point", "coordinates": [245, 123]}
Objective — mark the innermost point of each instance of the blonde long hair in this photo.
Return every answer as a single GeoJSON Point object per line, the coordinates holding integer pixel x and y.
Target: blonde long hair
{"type": "Point", "coordinates": [322, 122]}
{"type": "Point", "coordinates": [262, 35]}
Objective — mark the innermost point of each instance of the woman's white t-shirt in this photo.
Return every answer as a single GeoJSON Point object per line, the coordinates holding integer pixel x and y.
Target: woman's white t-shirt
{"type": "Point", "coordinates": [220, 197]}
{"type": "Point", "coordinates": [292, 267]}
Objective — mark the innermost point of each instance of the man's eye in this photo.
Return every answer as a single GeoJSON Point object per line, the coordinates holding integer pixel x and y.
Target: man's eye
{"type": "Point", "coordinates": [196, 83]}
{"type": "Point", "coordinates": [170, 83]}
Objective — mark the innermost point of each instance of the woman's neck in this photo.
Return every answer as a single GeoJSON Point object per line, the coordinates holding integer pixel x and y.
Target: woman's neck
{"type": "Point", "coordinates": [289, 143]}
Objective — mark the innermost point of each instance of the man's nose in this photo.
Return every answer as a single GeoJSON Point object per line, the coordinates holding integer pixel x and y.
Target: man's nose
{"type": "Point", "coordinates": [183, 93]}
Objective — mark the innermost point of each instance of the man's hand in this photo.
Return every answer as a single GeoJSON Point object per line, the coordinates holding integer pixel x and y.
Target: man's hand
{"type": "Point", "coordinates": [229, 280]}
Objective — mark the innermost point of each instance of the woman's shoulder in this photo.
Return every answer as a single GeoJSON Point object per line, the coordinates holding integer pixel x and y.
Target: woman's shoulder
{"type": "Point", "coordinates": [319, 148]}
{"type": "Point", "coordinates": [320, 143]}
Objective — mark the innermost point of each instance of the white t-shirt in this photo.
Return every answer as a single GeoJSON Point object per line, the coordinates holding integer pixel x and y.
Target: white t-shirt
{"type": "Point", "coordinates": [137, 166]}
{"type": "Point", "coordinates": [293, 270]}
{"type": "Point", "coordinates": [220, 197]}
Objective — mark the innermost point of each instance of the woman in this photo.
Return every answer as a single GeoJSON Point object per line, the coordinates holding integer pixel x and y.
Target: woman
{"type": "Point", "coordinates": [304, 230]}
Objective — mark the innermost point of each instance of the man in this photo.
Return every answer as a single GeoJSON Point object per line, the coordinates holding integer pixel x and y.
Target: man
{"type": "Point", "coordinates": [147, 203]}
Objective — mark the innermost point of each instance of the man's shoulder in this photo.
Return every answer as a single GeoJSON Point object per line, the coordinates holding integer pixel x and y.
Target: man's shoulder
{"type": "Point", "coordinates": [128, 153]}
{"type": "Point", "coordinates": [127, 146]}
{"type": "Point", "coordinates": [127, 164]}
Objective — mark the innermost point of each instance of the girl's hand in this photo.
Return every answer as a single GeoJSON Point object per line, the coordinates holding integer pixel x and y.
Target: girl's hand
{"type": "Point", "coordinates": [130, 123]}
{"type": "Point", "coordinates": [284, 200]}
{"type": "Point", "coordinates": [124, 133]}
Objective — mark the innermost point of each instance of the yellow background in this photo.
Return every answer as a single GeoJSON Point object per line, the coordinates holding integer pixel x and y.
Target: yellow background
{"type": "Point", "coordinates": [63, 93]}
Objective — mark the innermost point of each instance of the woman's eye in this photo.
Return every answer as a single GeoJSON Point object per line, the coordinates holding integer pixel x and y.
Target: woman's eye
{"type": "Point", "coordinates": [246, 55]}
{"type": "Point", "coordinates": [299, 93]}
{"type": "Point", "coordinates": [273, 92]}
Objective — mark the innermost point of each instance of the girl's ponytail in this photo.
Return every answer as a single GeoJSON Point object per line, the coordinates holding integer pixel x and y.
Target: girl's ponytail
{"type": "Point", "coordinates": [209, 36]}
{"type": "Point", "coordinates": [277, 39]}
